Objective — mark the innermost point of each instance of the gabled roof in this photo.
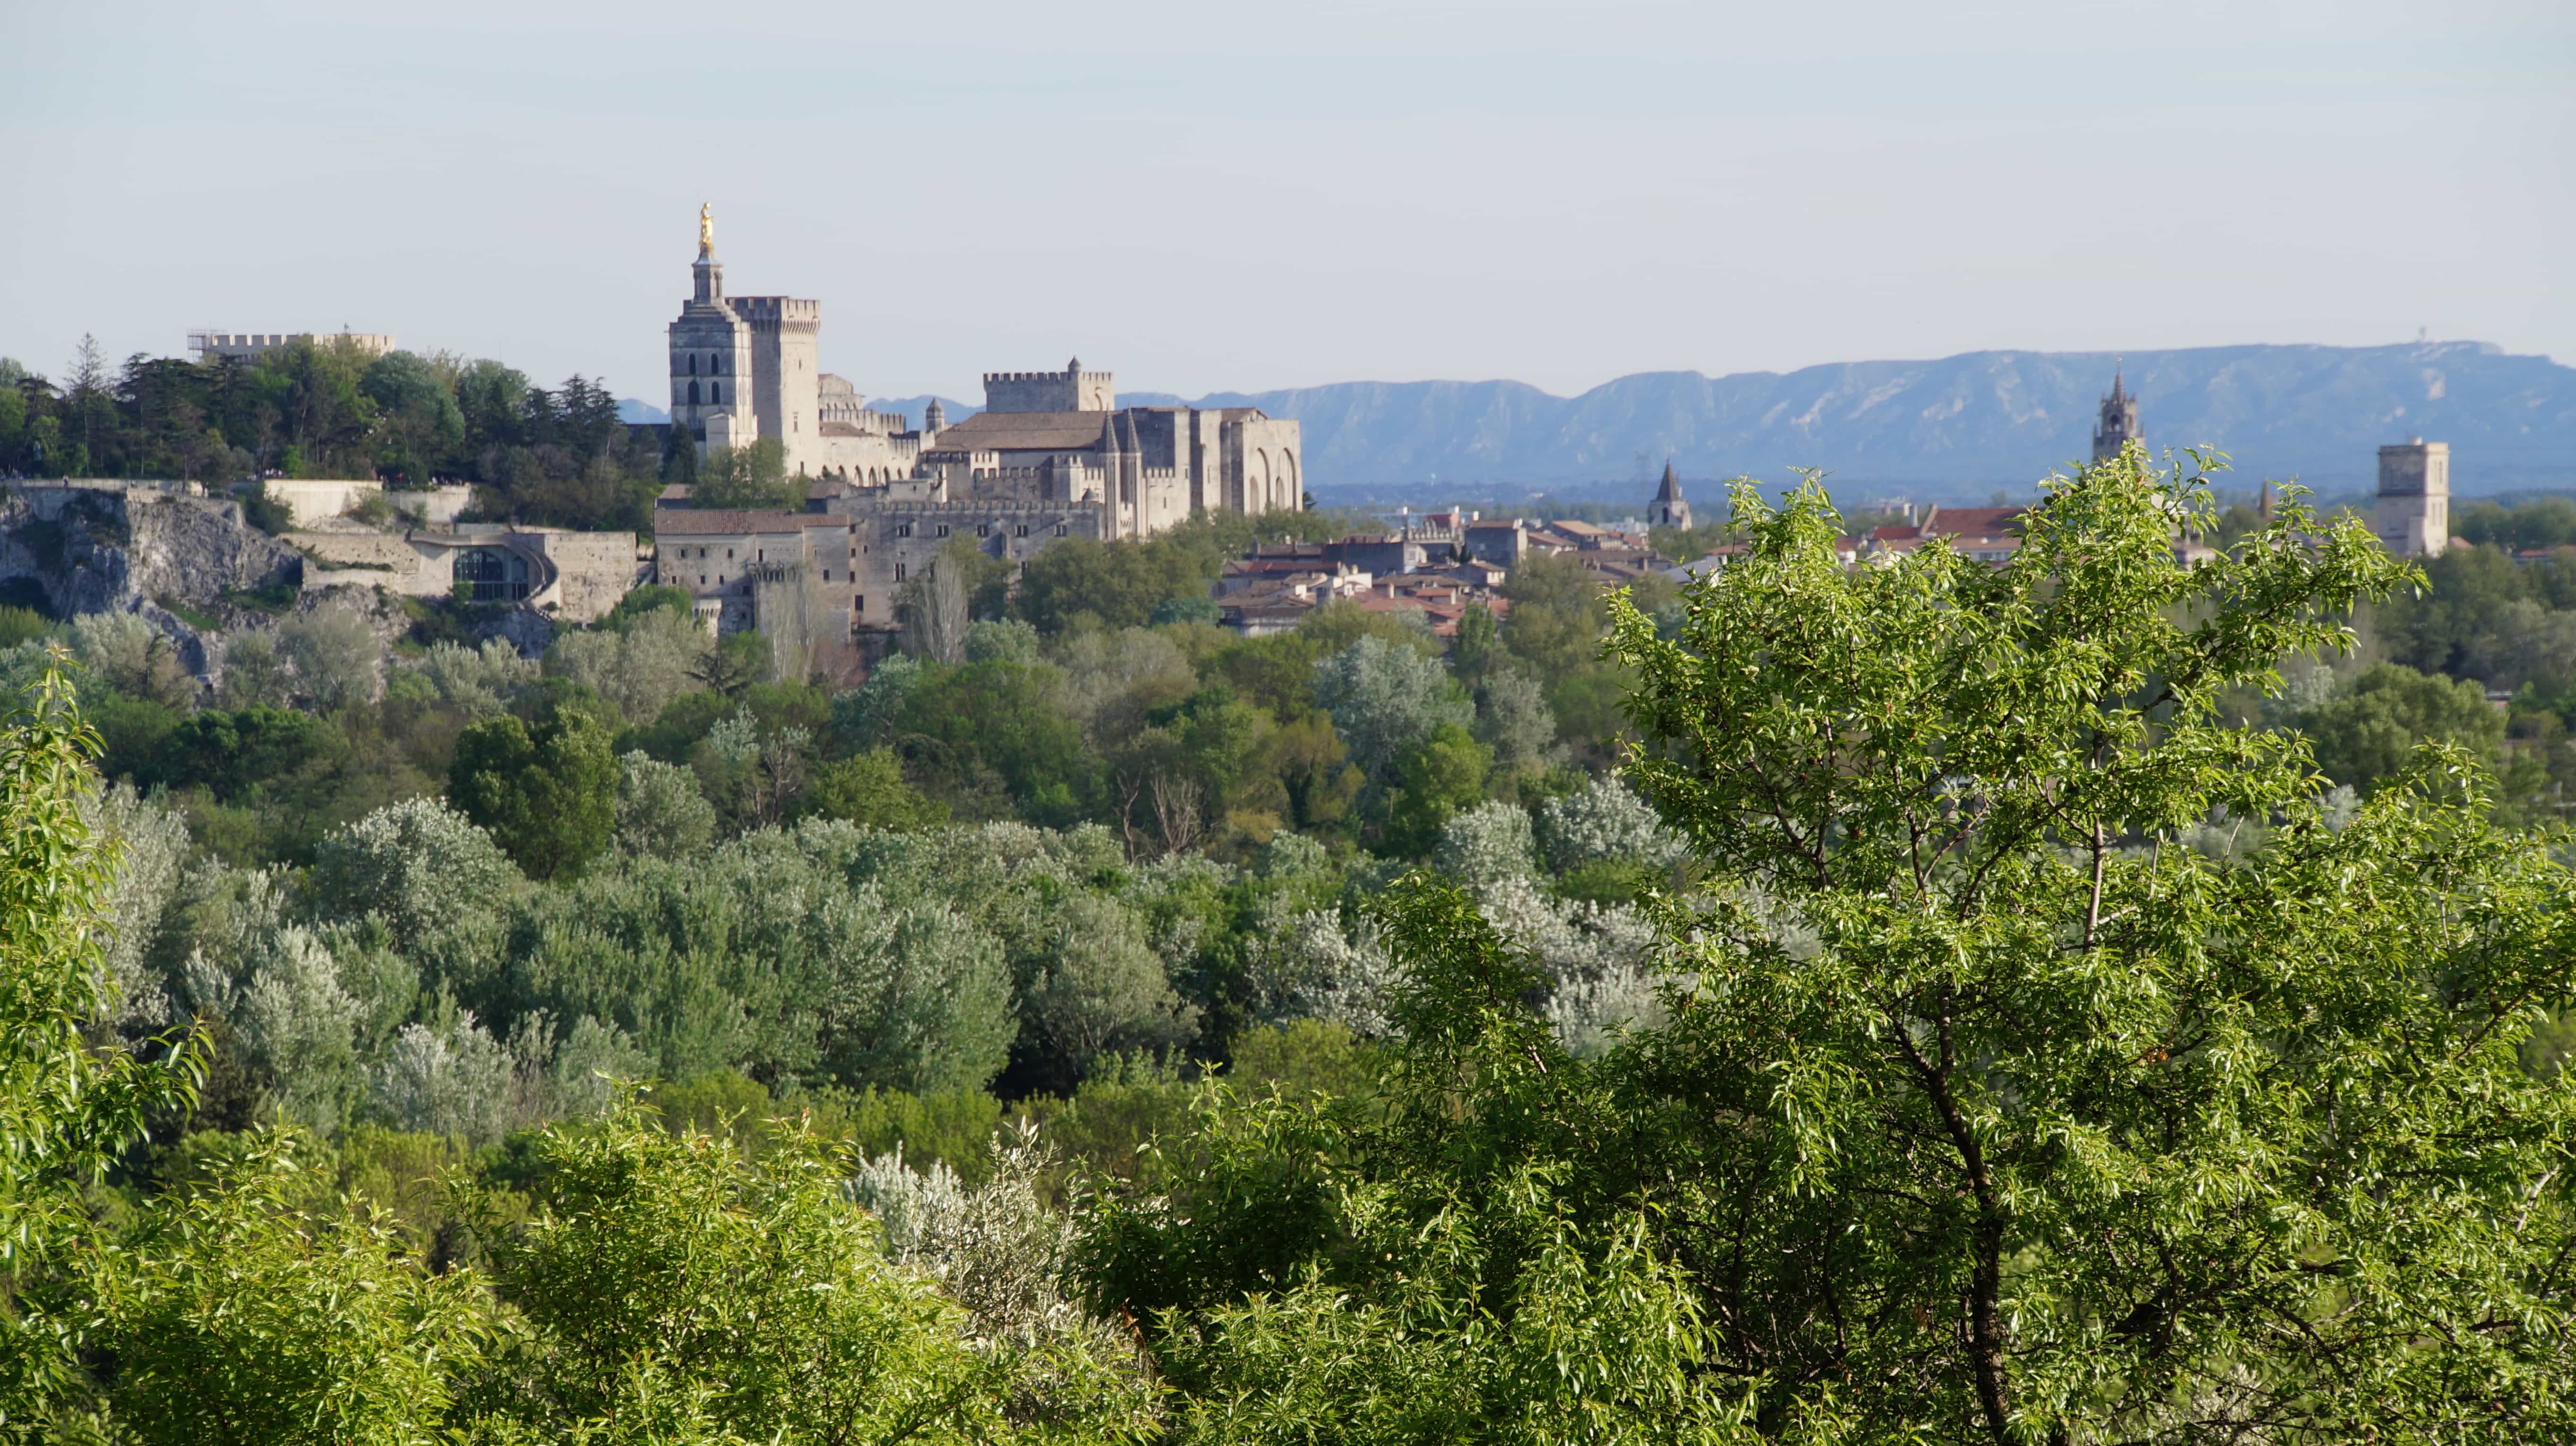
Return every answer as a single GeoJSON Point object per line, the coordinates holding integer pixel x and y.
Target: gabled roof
{"type": "Point", "coordinates": [1975, 522]}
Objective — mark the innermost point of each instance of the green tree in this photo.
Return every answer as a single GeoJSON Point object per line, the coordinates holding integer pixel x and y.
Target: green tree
{"type": "Point", "coordinates": [2369, 734]}
{"type": "Point", "coordinates": [493, 399]}
{"type": "Point", "coordinates": [1102, 989]}
{"type": "Point", "coordinates": [133, 657]}
{"type": "Point", "coordinates": [238, 1312]}
{"type": "Point", "coordinates": [2016, 1126]}
{"type": "Point", "coordinates": [678, 1290]}
{"type": "Point", "coordinates": [230, 752]}
{"type": "Point", "coordinates": [66, 1108]}
{"type": "Point", "coordinates": [989, 740]}
{"type": "Point", "coordinates": [660, 809]}
{"type": "Point", "coordinates": [748, 476]}
{"type": "Point", "coordinates": [2438, 627]}
{"type": "Point", "coordinates": [1556, 618]}
{"type": "Point", "coordinates": [1333, 626]}
{"type": "Point", "coordinates": [417, 417]}
{"type": "Point", "coordinates": [868, 789]}
{"type": "Point", "coordinates": [549, 795]}
{"type": "Point", "coordinates": [1443, 1265]}
{"type": "Point", "coordinates": [324, 417]}
{"type": "Point", "coordinates": [337, 658]}
{"type": "Point", "coordinates": [418, 864]}
{"type": "Point", "coordinates": [1980, 1112]}
{"type": "Point", "coordinates": [1082, 583]}
{"type": "Point", "coordinates": [1387, 701]}
{"type": "Point", "coordinates": [1433, 782]}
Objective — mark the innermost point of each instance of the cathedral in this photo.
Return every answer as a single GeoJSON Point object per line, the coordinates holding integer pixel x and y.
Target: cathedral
{"type": "Point", "coordinates": [2119, 423]}
{"type": "Point", "coordinates": [1051, 455]}
{"type": "Point", "coordinates": [748, 367]}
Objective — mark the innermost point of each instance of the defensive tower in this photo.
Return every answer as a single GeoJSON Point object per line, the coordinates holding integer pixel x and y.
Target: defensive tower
{"type": "Point", "coordinates": [2414, 498]}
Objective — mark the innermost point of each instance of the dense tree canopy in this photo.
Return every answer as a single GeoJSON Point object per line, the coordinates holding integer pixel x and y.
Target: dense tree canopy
{"type": "Point", "coordinates": [1979, 1109]}
{"type": "Point", "coordinates": [1928, 1001]}
{"type": "Point", "coordinates": [328, 409]}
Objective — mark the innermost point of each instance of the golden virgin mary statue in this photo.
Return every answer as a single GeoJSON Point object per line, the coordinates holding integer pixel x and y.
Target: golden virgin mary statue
{"type": "Point", "coordinates": [706, 229]}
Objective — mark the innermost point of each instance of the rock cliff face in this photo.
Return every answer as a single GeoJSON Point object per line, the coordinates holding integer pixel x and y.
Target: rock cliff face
{"type": "Point", "coordinates": [96, 550]}
{"type": "Point", "coordinates": [89, 549]}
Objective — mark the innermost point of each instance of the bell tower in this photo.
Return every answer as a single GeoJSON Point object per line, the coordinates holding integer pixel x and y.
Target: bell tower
{"type": "Point", "coordinates": [707, 270]}
{"type": "Point", "coordinates": [2119, 424]}
{"type": "Point", "coordinates": [1669, 509]}
{"type": "Point", "coordinates": [711, 355]}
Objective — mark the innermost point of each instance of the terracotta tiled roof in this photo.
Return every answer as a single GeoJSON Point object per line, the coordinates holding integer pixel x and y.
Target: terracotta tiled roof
{"type": "Point", "coordinates": [1975, 521]}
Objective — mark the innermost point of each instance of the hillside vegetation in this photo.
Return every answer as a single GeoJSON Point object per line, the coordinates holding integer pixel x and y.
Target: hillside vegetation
{"type": "Point", "coordinates": [2080, 1000]}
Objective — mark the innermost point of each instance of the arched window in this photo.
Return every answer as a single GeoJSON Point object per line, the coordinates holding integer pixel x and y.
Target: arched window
{"type": "Point", "coordinates": [715, 393]}
{"type": "Point", "coordinates": [693, 363]}
{"type": "Point", "coordinates": [693, 394]}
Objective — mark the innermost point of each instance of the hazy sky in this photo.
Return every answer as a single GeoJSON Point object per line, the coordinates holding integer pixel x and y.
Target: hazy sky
{"type": "Point", "coordinates": [1206, 195]}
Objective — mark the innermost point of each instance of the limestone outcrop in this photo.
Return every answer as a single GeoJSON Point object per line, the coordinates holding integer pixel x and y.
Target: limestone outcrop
{"type": "Point", "coordinates": [82, 547]}
{"type": "Point", "coordinates": [99, 549]}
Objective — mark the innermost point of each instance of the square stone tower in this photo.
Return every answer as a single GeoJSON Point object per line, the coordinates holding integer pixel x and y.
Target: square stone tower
{"type": "Point", "coordinates": [712, 356]}
{"type": "Point", "coordinates": [2415, 498]}
{"type": "Point", "coordinates": [1070, 390]}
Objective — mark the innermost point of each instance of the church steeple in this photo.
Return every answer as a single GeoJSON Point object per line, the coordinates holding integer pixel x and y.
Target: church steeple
{"type": "Point", "coordinates": [2119, 422]}
{"type": "Point", "coordinates": [707, 271]}
{"type": "Point", "coordinates": [1668, 509]}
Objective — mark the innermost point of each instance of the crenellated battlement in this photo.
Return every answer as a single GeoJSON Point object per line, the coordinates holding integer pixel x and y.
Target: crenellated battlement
{"type": "Point", "coordinates": [971, 506]}
{"type": "Point", "coordinates": [776, 309]}
{"type": "Point", "coordinates": [750, 368]}
{"type": "Point", "coordinates": [1103, 378]}
{"type": "Point", "coordinates": [1070, 390]}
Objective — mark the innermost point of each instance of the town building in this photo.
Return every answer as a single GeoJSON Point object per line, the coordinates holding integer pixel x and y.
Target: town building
{"type": "Point", "coordinates": [1668, 509]}
{"type": "Point", "coordinates": [2118, 425]}
{"type": "Point", "coordinates": [570, 576]}
{"type": "Point", "coordinates": [1051, 456]}
{"type": "Point", "coordinates": [2414, 518]}
{"type": "Point", "coordinates": [252, 345]}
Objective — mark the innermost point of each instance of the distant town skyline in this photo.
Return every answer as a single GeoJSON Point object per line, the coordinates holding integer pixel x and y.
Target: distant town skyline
{"type": "Point", "coordinates": [1558, 194]}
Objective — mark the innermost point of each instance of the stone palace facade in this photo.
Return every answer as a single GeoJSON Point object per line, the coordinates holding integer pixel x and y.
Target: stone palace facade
{"type": "Point", "coordinates": [1051, 455]}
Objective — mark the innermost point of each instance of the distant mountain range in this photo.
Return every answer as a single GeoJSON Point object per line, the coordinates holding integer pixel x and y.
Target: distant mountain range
{"type": "Point", "coordinates": [1947, 429]}
{"type": "Point", "coordinates": [1942, 430]}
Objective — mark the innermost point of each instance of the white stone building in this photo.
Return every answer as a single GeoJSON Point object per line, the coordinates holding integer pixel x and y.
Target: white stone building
{"type": "Point", "coordinates": [1051, 456]}
{"type": "Point", "coordinates": [2414, 517]}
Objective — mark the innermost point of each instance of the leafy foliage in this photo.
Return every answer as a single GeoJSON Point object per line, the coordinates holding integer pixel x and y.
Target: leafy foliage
{"type": "Point", "coordinates": [65, 1108]}
{"type": "Point", "coordinates": [2017, 1125]}
{"type": "Point", "coordinates": [238, 1312]}
{"type": "Point", "coordinates": [549, 795]}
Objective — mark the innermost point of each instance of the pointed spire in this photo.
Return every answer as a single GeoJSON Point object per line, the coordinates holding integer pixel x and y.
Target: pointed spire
{"type": "Point", "coordinates": [1127, 435]}
{"type": "Point", "coordinates": [1671, 491]}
